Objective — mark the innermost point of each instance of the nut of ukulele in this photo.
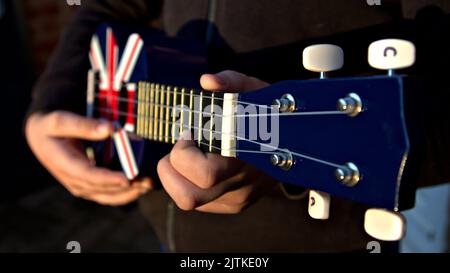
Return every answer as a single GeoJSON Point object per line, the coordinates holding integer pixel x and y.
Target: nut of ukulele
{"type": "Point", "coordinates": [391, 54]}
{"type": "Point", "coordinates": [319, 205]}
{"type": "Point", "coordinates": [323, 58]}
{"type": "Point", "coordinates": [385, 225]}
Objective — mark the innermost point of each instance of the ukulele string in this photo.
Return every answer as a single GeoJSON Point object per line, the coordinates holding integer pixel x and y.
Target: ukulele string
{"type": "Point", "coordinates": [208, 114]}
{"type": "Point", "coordinates": [232, 150]}
{"type": "Point", "coordinates": [136, 101]}
{"type": "Point", "coordinates": [273, 148]}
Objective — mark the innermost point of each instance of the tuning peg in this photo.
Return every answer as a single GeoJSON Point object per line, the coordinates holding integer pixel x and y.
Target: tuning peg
{"type": "Point", "coordinates": [385, 225]}
{"type": "Point", "coordinates": [323, 58]}
{"type": "Point", "coordinates": [391, 54]}
{"type": "Point", "coordinates": [319, 205]}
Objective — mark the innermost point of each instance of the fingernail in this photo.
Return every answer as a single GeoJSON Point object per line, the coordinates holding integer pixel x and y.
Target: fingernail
{"type": "Point", "coordinates": [146, 188]}
{"type": "Point", "coordinates": [103, 127]}
{"type": "Point", "coordinates": [186, 135]}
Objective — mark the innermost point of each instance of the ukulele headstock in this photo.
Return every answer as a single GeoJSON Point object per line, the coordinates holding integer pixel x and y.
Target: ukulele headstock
{"type": "Point", "coordinates": [343, 137]}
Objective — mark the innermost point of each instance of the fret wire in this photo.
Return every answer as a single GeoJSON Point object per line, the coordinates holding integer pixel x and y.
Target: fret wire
{"type": "Point", "coordinates": [191, 105]}
{"type": "Point", "coordinates": [143, 106]}
{"type": "Point", "coordinates": [138, 119]}
{"type": "Point", "coordinates": [175, 97]}
{"type": "Point", "coordinates": [183, 91]}
{"type": "Point", "coordinates": [200, 119]}
{"type": "Point", "coordinates": [143, 109]}
{"type": "Point", "coordinates": [148, 105]}
{"type": "Point", "coordinates": [161, 112]}
{"type": "Point", "coordinates": [151, 91]}
{"type": "Point", "coordinates": [166, 133]}
{"type": "Point", "coordinates": [156, 115]}
{"type": "Point", "coordinates": [211, 123]}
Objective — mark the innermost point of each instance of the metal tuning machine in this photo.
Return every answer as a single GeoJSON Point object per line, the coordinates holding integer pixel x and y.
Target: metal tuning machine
{"type": "Point", "coordinates": [322, 58]}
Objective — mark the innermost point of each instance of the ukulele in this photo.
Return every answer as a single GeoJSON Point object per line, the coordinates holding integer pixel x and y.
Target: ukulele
{"type": "Point", "coordinates": [345, 137]}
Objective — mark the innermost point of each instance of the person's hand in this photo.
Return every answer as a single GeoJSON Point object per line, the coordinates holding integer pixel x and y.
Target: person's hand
{"type": "Point", "coordinates": [210, 182]}
{"type": "Point", "coordinates": [55, 138]}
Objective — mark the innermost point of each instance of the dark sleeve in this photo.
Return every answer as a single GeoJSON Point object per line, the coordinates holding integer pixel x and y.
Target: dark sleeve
{"type": "Point", "coordinates": [62, 85]}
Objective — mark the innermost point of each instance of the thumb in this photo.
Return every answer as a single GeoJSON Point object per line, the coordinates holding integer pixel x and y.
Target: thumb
{"type": "Point", "coordinates": [67, 124]}
{"type": "Point", "coordinates": [231, 81]}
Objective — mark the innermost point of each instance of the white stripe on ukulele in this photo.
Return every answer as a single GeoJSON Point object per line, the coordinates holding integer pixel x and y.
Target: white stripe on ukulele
{"type": "Point", "coordinates": [96, 58]}
{"type": "Point", "coordinates": [128, 61]}
{"type": "Point", "coordinates": [125, 152]}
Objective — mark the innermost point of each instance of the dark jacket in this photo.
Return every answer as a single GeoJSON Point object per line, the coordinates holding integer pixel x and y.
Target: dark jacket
{"type": "Point", "coordinates": [264, 38]}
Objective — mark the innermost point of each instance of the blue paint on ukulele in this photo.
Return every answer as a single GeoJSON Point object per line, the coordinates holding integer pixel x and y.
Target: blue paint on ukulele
{"type": "Point", "coordinates": [376, 140]}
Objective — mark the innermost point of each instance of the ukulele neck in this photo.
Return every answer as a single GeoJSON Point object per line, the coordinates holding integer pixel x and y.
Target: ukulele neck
{"type": "Point", "coordinates": [159, 112]}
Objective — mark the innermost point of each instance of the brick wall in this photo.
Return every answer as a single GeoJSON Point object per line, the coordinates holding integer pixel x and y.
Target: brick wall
{"type": "Point", "coordinates": [45, 19]}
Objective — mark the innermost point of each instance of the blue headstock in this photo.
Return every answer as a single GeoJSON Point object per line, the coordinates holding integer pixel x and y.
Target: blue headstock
{"type": "Point", "coordinates": [322, 139]}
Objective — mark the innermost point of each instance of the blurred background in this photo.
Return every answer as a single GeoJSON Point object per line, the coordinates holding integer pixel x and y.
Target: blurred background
{"type": "Point", "coordinates": [38, 215]}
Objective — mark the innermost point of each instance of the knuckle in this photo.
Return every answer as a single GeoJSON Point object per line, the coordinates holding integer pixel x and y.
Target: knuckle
{"type": "Point", "coordinates": [175, 155]}
{"type": "Point", "coordinates": [161, 167]}
{"type": "Point", "coordinates": [229, 71]}
{"type": "Point", "coordinates": [83, 125]}
{"type": "Point", "coordinates": [76, 193]}
{"type": "Point", "coordinates": [54, 121]}
{"type": "Point", "coordinates": [242, 199]}
{"type": "Point", "coordinates": [102, 201]}
{"type": "Point", "coordinates": [211, 177]}
{"type": "Point", "coordinates": [241, 202]}
{"type": "Point", "coordinates": [186, 202]}
{"type": "Point", "coordinates": [235, 209]}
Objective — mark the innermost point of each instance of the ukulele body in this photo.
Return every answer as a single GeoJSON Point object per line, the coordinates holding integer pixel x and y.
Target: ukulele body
{"type": "Point", "coordinates": [162, 59]}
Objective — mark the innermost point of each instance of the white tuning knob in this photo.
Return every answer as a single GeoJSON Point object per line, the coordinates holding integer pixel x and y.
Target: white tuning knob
{"type": "Point", "coordinates": [385, 225]}
{"type": "Point", "coordinates": [323, 58]}
{"type": "Point", "coordinates": [319, 205]}
{"type": "Point", "coordinates": [391, 54]}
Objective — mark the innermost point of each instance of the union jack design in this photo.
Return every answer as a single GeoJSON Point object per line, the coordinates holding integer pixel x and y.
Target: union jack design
{"type": "Point", "coordinates": [114, 75]}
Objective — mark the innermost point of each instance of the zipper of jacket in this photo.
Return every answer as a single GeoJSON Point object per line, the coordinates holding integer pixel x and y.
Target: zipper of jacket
{"type": "Point", "coordinates": [170, 225]}
{"type": "Point", "coordinates": [211, 16]}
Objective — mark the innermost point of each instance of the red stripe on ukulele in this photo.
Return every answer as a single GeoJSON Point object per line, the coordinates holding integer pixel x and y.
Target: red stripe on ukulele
{"type": "Point", "coordinates": [133, 52]}
{"type": "Point", "coordinates": [112, 46]}
{"type": "Point", "coordinates": [127, 152]}
{"type": "Point", "coordinates": [130, 116]}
